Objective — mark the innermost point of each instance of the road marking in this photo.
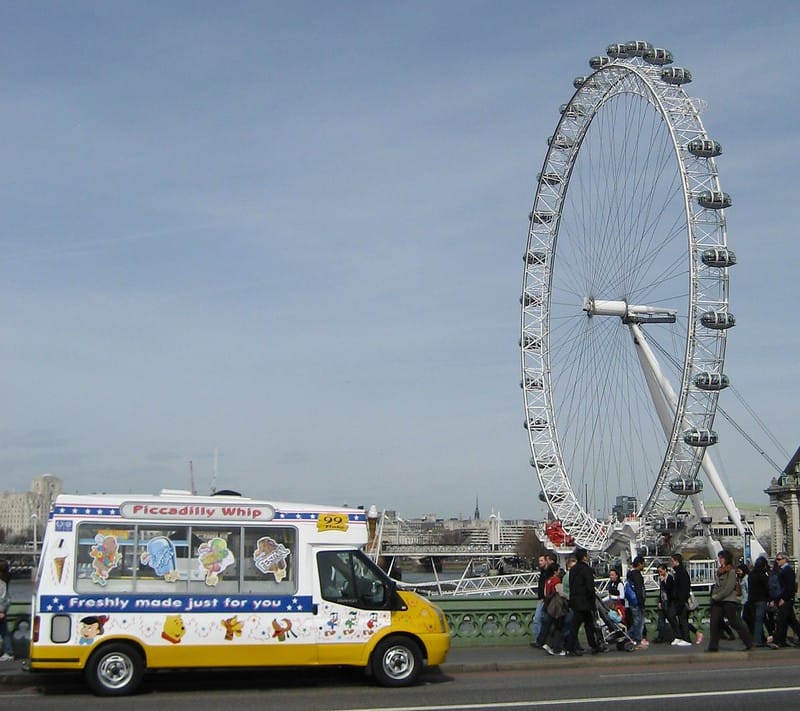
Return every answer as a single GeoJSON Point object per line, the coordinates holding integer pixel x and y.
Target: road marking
{"type": "Point", "coordinates": [576, 702]}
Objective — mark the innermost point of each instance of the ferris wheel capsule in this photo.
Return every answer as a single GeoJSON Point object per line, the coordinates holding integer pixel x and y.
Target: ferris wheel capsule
{"type": "Point", "coordinates": [721, 257]}
{"type": "Point", "coordinates": [637, 48]}
{"type": "Point", "coordinates": [700, 437]}
{"type": "Point", "coordinates": [676, 75]}
{"type": "Point", "coordinates": [714, 199]}
{"type": "Point", "coordinates": [657, 56]}
{"type": "Point", "coordinates": [617, 51]}
{"type": "Point", "coordinates": [711, 381]}
{"type": "Point", "coordinates": [718, 320]}
{"type": "Point", "coordinates": [704, 148]}
{"type": "Point", "coordinates": [685, 487]}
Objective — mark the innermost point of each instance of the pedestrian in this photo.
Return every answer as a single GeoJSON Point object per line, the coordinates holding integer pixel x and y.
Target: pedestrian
{"type": "Point", "coordinates": [743, 590]}
{"type": "Point", "coordinates": [635, 597]}
{"type": "Point", "coordinates": [666, 584]}
{"type": "Point", "coordinates": [758, 595]}
{"type": "Point", "coordinates": [568, 642]}
{"type": "Point", "coordinates": [582, 601]}
{"type": "Point", "coordinates": [679, 609]}
{"type": "Point", "coordinates": [547, 566]}
{"type": "Point", "coordinates": [5, 603]}
{"type": "Point", "coordinates": [783, 602]}
{"type": "Point", "coordinates": [725, 604]}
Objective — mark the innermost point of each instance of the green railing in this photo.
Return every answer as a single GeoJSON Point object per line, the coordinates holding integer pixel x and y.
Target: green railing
{"type": "Point", "coordinates": [509, 620]}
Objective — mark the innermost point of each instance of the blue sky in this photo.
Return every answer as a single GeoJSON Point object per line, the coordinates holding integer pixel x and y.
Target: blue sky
{"type": "Point", "coordinates": [293, 232]}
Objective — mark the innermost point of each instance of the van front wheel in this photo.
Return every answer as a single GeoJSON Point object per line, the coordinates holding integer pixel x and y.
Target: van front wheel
{"type": "Point", "coordinates": [115, 669]}
{"type": "Point", "coordinates": [397, 661]}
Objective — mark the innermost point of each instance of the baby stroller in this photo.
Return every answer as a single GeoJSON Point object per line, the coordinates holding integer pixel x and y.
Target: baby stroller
{"type": "Point", "coordinates": [611, 625]}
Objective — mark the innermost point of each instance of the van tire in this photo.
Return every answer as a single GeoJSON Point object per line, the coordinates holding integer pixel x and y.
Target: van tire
{"type": "Point", "coordinates": [397, 661]}
{"type": "Point", "coordinates": [115, 669]}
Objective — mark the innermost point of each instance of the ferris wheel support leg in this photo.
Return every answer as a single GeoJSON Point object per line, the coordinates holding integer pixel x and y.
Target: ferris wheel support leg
{"type": "Point", "coordinates": [666, 403]}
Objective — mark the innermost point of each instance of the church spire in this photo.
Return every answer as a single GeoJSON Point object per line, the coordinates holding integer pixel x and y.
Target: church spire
{"type": "Point", "coordinates": [477, 515]}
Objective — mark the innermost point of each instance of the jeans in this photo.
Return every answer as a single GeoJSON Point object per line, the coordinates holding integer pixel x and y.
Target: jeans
{"type": "Point", "coordinates": [538, 617]}
{"type": "Point", "coordinates": [679, 619]}
{"type": "Point", "coordinates": [759, 613]}
{"type": "Point", "coordinates": [637, 627]}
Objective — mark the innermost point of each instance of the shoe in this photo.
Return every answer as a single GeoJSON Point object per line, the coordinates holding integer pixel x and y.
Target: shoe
{"type": "Point", "coordinates": [7, 658]}
{"type": "Point", "coordinates": [674, 642]}
{"type": "Point", "coordinates": [562, 653]}
{"type": "Point", "coordinates": [683, 643]}
{"type": "Point", "coordinates": [699, 639]}
{"type": "Point", "coordinates": [536, 645]}
{"type": "Point", "coordinates": [576, 653]}
{"type": "Point", "coordinates": [547, 648]}
{"type": "Point", "coordinates": [772, 645]}
{"type": "Point", "coordinates": [645, 643]}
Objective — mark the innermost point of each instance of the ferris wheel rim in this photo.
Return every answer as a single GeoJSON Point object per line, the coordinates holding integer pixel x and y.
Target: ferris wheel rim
{"type": "Point", "coordinates": [680, 115]}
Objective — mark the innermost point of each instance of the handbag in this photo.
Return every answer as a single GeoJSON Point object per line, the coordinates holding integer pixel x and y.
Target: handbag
{"type": "Point", "coordinates": [691, 603]}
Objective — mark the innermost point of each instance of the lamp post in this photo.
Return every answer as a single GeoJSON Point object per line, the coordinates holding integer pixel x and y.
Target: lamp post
{"type": "Point", "coordinates": [34, 519]}
{"type": "Point", "coordinates": [372, 524]}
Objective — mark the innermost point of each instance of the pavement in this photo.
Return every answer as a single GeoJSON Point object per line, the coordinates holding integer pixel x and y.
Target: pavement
{"type": "Point", "coordinates": [484, 658]}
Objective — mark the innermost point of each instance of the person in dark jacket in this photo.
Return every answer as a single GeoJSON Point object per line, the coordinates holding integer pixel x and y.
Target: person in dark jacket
{"type": "Point", "coordinates": [679, 610]}
{"type": "Point", "coordinates": [636, 579]}
{"type": "Point", "coordinates": [582, 602]}
{"type": "Point", "coordinates": [784, 602]}
{"type": "Point", "coordinates": [758, 592]}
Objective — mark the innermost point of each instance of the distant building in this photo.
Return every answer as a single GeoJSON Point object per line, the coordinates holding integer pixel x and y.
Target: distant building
{"type": "Point", "coordinates": [17, 510]}
{"type": "Point", "coordinates": [625, 507]}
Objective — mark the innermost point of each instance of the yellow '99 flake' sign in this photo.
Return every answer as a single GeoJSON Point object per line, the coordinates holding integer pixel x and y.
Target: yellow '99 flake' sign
{"type": "Point", "coordinates": [332, 522]}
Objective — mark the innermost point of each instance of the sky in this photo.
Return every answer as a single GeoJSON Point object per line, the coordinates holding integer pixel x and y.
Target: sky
{"type": "Point", "coordinates": [293, 233]}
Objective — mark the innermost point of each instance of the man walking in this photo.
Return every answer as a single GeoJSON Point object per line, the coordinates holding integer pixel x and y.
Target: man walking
{"type": "Point", "coordinates": [547, 568]}
{"type": "Point", "coordinates": [582, 602]}
{"type": "Point", "coordinates": [635, 582]}
{"type": "Point", "coordinates": [784, 602]}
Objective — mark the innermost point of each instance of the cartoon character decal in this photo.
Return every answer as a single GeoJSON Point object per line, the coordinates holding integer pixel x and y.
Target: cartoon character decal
{"type": "Point", "coordinates": [270, 557]}
{"type": "Point", "coordinates": [160, 556]}
{"type": "Point", "coordinates": [332, 624]}
{"type": "Point", "coordinates": [174, 629]}
{"type": "Point", "coordinates": [233, 627]}
{"type": "Point", "coordinates": [214, 556]}
{"type": "Point", "coordinates": [282, 631]}
{"type": "Point", "coordinates": [105, 557]}
{"type": "Point", "coordinates": [91, 628]}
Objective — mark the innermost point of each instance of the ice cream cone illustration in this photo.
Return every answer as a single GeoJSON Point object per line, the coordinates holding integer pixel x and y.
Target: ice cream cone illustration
{"type": "Point", "coordinates": [58, 564]}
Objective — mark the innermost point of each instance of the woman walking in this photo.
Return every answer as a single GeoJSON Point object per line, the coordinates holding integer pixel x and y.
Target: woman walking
{"type": "Point", "coordinates": [5, 602]}
{"type": "Point", "coordinates": [725, 604]}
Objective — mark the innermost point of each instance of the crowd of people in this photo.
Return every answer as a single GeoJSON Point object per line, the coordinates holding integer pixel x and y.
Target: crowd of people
{"type": "Point", "coordinates": [757, 604]}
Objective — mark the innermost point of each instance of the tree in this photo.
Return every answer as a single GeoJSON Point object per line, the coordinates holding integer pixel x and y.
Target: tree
{"type": "Point", "coordinates": [529, 547]}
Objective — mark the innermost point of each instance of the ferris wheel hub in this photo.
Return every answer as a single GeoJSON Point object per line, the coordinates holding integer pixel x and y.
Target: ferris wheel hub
{"type": "Point", "coordinates": [629, 313]}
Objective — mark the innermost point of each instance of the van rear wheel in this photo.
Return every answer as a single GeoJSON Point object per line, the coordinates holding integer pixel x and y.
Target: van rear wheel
{"type": "Point", "coordinates": [115, 669]}
{"type": "Point", "coordinates": [397, 661]}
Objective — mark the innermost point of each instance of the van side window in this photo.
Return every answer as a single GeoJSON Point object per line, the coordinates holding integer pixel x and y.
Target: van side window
{"type": "Point", "coordinates": [163, 559]}
{"type": "Point", "coordinates": [349, 578]}
{"type": "Point", "coordinates": [106, 558]}
{"type": "Point", "coordinates": [215, 559]}
{"type": "Point", "coordinates": [269, 561]}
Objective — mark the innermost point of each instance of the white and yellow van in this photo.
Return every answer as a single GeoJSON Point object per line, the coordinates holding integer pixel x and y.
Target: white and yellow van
{"type": "Point", "coordinates": [131, 583]}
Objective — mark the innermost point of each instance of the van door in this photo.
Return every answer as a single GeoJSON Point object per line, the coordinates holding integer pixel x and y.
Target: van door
{"type": "Point", "coordinates": [354, 600]}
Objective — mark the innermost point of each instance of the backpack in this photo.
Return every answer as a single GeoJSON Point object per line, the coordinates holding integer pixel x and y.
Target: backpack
{"type": "Point", "coordinates": [774, 586]}
{"type": "Point", "coordinates": [630, 594]}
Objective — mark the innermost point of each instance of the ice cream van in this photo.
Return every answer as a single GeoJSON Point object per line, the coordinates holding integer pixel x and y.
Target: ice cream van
{"type": "Point", "coordinates": [127, 584]}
